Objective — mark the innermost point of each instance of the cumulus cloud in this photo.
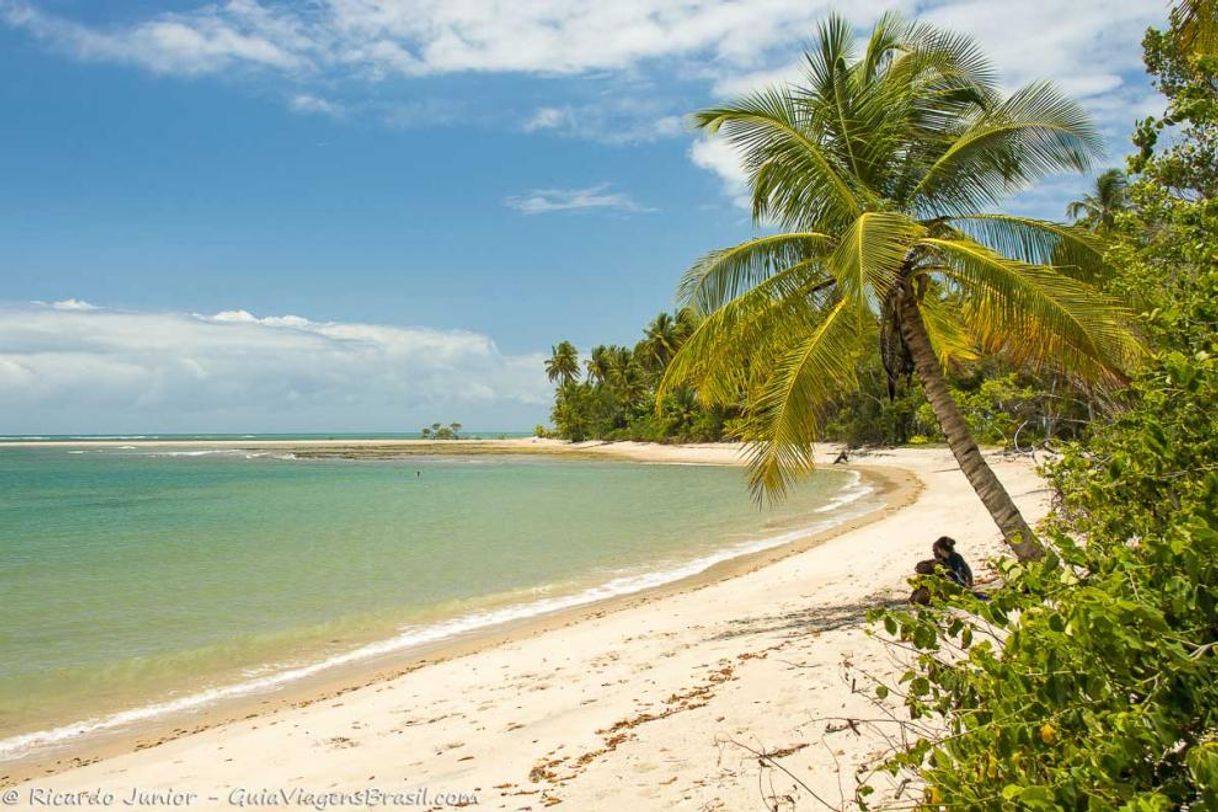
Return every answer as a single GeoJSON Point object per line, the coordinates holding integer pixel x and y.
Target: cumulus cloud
{"type": "Point", "coordinates": [573, 36]}
{"type": "Point", "coordinates": [77, 370]}
{"type": "Point", "coordinates": [544, 201]}
{"type": "Point", "coordinates": [738, 84]}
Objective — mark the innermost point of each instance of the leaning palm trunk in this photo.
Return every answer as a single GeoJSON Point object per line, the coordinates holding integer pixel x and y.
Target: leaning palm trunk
{"type": "Point", "coordinates": [993, 495]}
{"type": "Point", "coordinates": [883, 170]}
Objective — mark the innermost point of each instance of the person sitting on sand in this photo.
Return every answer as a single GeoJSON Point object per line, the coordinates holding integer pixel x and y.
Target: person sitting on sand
{"type": "Point", "coordinates": [947, 563]}
{"type": "Point", "coordinates": [957, 568]}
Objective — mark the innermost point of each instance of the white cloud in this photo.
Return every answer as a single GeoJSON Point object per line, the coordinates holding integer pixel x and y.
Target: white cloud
{"type": "Point", "coordinates": [617, 120]}
{"type": "Point", "coordinates": [1036, 38]}
{"type": "Point", "coordinates": [548, 118]}
{"type": "Point", "coordinates": [1091, 47]}
{"type": "Point", "coordinates": [308, 103]}
{"type": "Point", "coordinates": [96, 369]}
{"type": "Point", "coordinates": [739, 84]}
{"type": "Point", "coordinates": [414, 37]}
{"type": "Point", "coordinates": [569, 36]}
{"type": "Point", "coordinates": [544, 201]}
{"type": "Point", "coordinates": [208, 40]}
{"type": "Point", "coordinates": [718, 156]}
{"type": "Point", "coordinates": [73, 304]}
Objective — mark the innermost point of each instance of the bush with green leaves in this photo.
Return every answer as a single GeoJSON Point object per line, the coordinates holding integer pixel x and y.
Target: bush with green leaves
{"type": "Point", "coordinates": [1090, 680]}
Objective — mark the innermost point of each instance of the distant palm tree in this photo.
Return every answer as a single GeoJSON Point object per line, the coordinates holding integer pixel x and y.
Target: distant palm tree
{"type": "Point", "coordinates": [627, 378]}
{"type": "Point", "coordinates": [563, 363]}
{"type": "Point", "coordinates": [598, 364]}
{"type": "Point", "coordinates": [883, 168]}
{"type": "Point", "coordinates": [664, 336]}
{"type": "Point", "coordinates": [660, 341]}
{"type": "Point", "coordinates": [613, 363]}
{"type": "Point", "coordinates": [1097, 211]}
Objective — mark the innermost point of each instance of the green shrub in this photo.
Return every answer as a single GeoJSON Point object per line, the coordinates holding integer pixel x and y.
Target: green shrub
{"type": "Point", "coordinates": [1090, 680]}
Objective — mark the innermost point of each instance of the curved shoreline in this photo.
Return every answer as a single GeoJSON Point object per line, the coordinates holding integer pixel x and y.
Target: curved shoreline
{"type": "Point", "coordinates": [897, 488]}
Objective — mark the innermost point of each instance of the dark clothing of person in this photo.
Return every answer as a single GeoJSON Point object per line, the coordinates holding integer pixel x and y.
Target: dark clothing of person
{"type": "Point", "coordinates": [958, 570]}
{"type": "Point", "coordinates": [954, 568]}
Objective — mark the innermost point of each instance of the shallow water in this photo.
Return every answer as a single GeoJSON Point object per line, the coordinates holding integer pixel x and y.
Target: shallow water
{"type": "Point", "coordinates": [137, 581]}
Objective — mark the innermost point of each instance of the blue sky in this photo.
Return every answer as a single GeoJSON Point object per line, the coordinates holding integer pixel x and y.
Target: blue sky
{"type": "Point", "coordinates": [495, 176]}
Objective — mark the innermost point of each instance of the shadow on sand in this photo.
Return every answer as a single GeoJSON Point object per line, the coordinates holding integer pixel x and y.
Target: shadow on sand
{"type": "Point", "coordinates": [811, 620]}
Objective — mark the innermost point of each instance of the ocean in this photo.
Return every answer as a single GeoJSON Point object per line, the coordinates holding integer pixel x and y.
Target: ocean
{"type": "Point", "coordinates": [137, 582]}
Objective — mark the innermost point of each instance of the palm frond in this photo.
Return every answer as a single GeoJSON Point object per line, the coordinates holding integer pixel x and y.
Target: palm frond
{"type": "Point", "coordinates": [946, 327]}
{"type": "Point", "coordinates": [731, 344]}
{"type": "Point", "coordinates": [889, 36]}
{"type": "Point", "coordinates": [1036, 315]}
{"type": "Point", "coordinates": [721, 275]}
{"type": "Point", "coordinates": [1197, 23]}
{"type": "Point", "coordinates": [945, 59]}
{"type": "Point", "coordinates": [794, 180]}
{"type": "Point", "coordinates": [1035, 132]}
{"type": "Point", "coordinates": [1078, 209]}
{"type": "Point", "coordinates": [831, 89]}
{"type": "Point", "coordinates": [784, 417]}
{"type": "Point", "coordinates": [868, 257]}
{"type": "Point", "coordinates": [1072, 250]}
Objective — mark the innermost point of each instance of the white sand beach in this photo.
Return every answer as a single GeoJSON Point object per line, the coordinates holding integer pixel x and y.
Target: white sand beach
{"type": "Point", "coordinates": [656, 702]}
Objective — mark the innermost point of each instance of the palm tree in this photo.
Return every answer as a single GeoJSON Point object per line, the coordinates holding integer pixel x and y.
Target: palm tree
{"type": "Point", "coordinates": [598, 364]}
{"type": "Point", "coordinates": [1097, 211]}
{"type": "Point", "coordinates": [660, 341]}
{"type": "Point", "coordinates": [563, 363]}
{"type": "Point", "coordinates": [663, 337]}
{"type": "Point", "coordinates": [882, 169]}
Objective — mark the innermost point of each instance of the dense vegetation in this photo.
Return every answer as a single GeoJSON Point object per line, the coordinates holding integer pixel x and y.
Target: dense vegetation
{"type": "Point", "coordinates": [614, 395]}
{"type": "Point", "coordinates": [1090, 680]}
{"type": "Point", "coordinates": [1003, 406]}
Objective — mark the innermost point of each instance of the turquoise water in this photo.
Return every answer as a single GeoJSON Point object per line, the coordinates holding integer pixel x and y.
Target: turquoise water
{"type": "Point", "coordinates": [384, 435]}
{"type": "Point", "coordinates": [136, 581]}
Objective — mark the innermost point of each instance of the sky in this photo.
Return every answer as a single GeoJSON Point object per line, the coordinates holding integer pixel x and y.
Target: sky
{"type": "Point", "coordinates": [370, 215]}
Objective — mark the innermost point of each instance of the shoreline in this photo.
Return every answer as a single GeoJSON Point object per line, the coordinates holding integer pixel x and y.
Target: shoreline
{"type": "Point", "coordinates": [657, 701]}
{"type": "Point", "coordinates": [335, 679]}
